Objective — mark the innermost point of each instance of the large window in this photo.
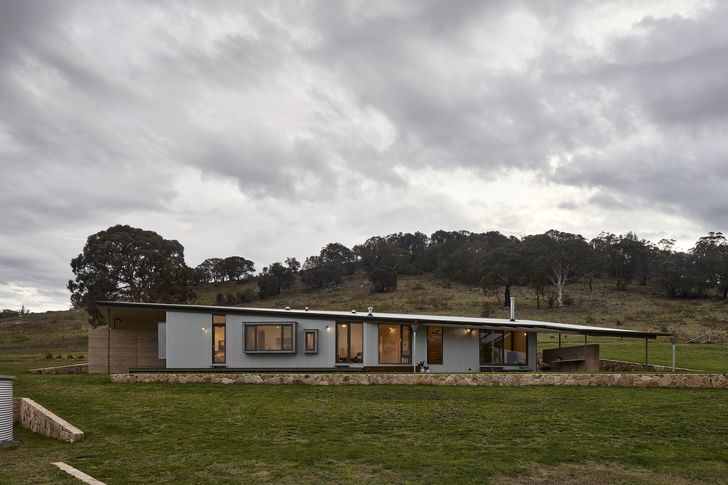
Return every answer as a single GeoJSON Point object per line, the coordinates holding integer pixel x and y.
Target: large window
{"type": "Point", "coordinates": [269, 337]}
{"type": "Point", "coordinates": [395, 344]}
{"type": "Point", "coordinates": [218, 339]}
{"type": "Point", "coordinates": [503, 348]}
{"type": "Point", "coordinates": [434, 345]}
{"type": "Point", "coordinates": [349, 343]}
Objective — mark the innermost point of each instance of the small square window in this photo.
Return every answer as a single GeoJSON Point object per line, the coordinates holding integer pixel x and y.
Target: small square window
{"type": "Point", "coordinates": [310, 341]}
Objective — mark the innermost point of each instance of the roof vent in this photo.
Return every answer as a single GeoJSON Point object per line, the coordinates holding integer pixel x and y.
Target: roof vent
{"type": "Point", "coordinates": [288, 308]}
{"type": "Point", "coordinates": [353, 311]}
{"type": "Point", "coordinates": [370, 310]}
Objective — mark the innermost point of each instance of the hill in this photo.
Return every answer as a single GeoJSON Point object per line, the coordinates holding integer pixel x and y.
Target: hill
{"type": "Point", "coordinates": [638, 307]}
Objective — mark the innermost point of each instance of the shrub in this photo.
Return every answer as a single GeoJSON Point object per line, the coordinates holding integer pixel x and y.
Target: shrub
{"type": "Point", "coordinates": [486, 311]}
{"type": "Point", "coordinates": [383, 280]}
{"type": "Point", "coordinates": [220, 299]}
{"type": "Point", "coordinates": [568, 299]}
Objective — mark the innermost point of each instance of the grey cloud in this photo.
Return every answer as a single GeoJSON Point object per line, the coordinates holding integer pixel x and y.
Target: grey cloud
{"type": "Point", "coordinates": [303, 105]}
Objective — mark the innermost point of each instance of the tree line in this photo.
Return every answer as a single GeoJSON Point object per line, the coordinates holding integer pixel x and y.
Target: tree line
{"type": "Point", "coordinates": [126, 263]}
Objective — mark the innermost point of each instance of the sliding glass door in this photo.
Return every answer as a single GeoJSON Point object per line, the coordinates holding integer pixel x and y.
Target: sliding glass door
{"type": "Point", "coordinates": [503, 348]}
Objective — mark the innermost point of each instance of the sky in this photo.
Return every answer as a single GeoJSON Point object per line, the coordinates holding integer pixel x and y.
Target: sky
{"type": "Point", "coordinates": [267, 129]}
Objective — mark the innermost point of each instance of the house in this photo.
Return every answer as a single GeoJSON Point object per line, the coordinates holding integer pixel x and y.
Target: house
{"type": "Point", "coordinates": [141, 337]}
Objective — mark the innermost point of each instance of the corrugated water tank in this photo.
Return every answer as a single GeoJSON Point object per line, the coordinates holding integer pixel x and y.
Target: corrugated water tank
{"type": "Point", "coordinates": [6, 409]}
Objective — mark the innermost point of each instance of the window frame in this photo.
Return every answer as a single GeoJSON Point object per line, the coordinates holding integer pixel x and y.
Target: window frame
{"type": "Point", "coordinates": [283, 325]}
{"type": "Point", "coordinates": [306, 333]}
{"type": "Point", "coordinates": [215, 325]}
{"type": "Point", "coordinates": [348, 342]}
{"type": "Point", "coordinates": [401, 343]}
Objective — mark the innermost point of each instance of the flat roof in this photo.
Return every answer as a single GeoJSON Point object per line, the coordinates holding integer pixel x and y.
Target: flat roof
{"type": "Point", "coordinates": [445, 320]}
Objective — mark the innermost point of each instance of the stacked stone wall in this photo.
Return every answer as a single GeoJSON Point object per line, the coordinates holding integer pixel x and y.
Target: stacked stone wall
{"type": "Point", "coordinates": [63, 369]}
{"type": "Point", "coordinates": [38, 419]}
{"type": "Point", "coordinates": [484, 379]}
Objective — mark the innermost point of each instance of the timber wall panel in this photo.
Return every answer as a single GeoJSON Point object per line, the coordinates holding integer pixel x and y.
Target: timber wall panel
{"type": "Point", "coordinates": [123, 349]}
{"type": "Point", "coordinates": [147, 350]}
{"type": "Point", "coordinates": [97, 360]}
{"type": "Point", "coordinates": [130, 348]}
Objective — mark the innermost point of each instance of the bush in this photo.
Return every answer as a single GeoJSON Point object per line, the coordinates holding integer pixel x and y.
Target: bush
{"type": "Point", "coordinates": [220, 299]}
{"type": "Point", "coordinates": [568, 299]}
{"type": "Point", "coordinates": [383, 280]}
{"type": "Point", "coordinates": [487, 310]}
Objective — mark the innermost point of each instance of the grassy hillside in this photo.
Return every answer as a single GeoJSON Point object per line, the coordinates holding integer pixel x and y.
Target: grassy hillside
{"type": "Point", "coordinates": [637, 308]}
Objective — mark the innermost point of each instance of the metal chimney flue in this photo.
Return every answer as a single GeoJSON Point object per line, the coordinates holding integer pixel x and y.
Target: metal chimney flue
{"type": "Point", "coordinates": [513, 309]}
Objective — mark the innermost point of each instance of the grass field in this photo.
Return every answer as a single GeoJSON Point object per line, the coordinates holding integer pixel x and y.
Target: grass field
{"type": "Point", "coordinates": [163, 433]}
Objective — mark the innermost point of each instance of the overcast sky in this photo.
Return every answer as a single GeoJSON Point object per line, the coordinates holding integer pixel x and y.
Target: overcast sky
{"type": "Point", "coordinates": [267, 129]}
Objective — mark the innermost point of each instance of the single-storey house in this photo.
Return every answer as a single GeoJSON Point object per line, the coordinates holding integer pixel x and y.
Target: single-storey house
{"type": "Point", "coordinates": [141, 337]}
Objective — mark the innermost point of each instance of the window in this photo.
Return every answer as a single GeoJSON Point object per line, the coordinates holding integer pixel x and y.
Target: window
{"type": "Point", "coordinates": [503, 348]}
{"type": "Point", "coordinates": [434, 345]}
{"type": "Point", "coordinates": [269, 337]}
{"type": "Point", "coordinates": [218, 339]}
{"type": "Point", "coordinates": [349, 343]}
{"type": "Point", "coordinates": [395, 344]}
{"type": "Point", "coordinates": [310, 341]}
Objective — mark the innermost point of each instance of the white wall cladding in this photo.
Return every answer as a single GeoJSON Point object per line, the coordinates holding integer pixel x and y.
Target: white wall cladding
{"type": "Point", "coordinates": [190, 347]}
{"type": "Point", "coordinates": [6, 409]}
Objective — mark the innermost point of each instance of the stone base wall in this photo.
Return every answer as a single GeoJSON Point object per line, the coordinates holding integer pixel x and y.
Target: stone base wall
{"type": "Point", "coordinates": [63, 369]}
{"type": "Point", "coordinates": [484, 379]}
{"type": "Point", "coordinates": [38, 419]}
{"type": "Point", "coordinates": [607, 365]}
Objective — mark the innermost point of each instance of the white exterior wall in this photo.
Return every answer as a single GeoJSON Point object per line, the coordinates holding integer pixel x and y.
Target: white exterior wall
{"type": "Point", "coordinates": [460, 350]}
{"type": "Point", "coordinates": [189, 347]}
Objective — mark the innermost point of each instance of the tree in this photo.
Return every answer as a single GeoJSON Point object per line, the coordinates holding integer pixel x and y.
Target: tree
{"type": "Point", "coordinates": [377, 251]}
{"type": "Point", "coordinates": [129, 264]}
{"type": "Point", "coordinates": [293, 264]}
{"type": "Point", "coordinates": [671, 269]}
{"type": "Point", "coordinates": [208, 271]}
{"type": "Point", "coordinates": [504, 266]}
{"type": "Point", "coordinates": [338, 255]}
{"type": "Point", "coordinates": [565, 255]}
{"type": "Point", "coordinates": [236, 268]}
{"type": "Point", "coordinates": [415, 245]}
{"type": "Point", "coordinates": [317, 273]}
{"type": "Point", "coordinates": [383, 279]}
{"type": "Point", "coordinates": [710, 256]}
{"type": "Point", "coordinates": [273, 279]}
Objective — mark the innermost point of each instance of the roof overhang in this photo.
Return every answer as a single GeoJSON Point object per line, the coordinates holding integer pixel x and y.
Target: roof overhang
{"type": "Point", "coordinates": [441, 320]}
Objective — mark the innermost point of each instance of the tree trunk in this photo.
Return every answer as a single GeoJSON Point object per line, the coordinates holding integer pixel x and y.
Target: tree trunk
{"type": "Point", "coordinates": [507, 296]}
{"type": "Point", "coordinates": [590, 284]}
{"type": "Point", "coordinates": [538, 300]}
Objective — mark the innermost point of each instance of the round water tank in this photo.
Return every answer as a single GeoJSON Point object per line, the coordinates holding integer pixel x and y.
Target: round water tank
{"type": "Point", "coordinates": [6, 409]}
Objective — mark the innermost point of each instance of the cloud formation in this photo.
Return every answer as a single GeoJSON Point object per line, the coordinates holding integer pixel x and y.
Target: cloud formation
{"type": "Point", "coordinates": [270, 128]}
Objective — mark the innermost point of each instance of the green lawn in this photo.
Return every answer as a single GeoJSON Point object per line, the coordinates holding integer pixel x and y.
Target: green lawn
{"type": "Point", "coordinates": [700, 357]}
{"type": "Point", "coordinates": [164, 433]}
